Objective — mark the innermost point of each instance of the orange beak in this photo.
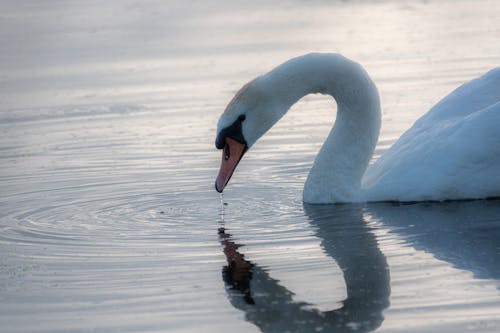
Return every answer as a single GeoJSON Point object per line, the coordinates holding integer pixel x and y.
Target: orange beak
{"type": "Point", "coordinates": [231, 154]}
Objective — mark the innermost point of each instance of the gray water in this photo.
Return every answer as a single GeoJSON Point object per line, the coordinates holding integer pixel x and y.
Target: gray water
{"type": "Point", "coordinates": [109, 221]}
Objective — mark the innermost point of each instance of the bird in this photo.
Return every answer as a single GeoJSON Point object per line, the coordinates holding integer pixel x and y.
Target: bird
{"type": "Point", "coordinates": [451, 153]}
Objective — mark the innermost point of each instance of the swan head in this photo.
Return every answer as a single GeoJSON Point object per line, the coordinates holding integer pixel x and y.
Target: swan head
{"type": "Point", "coordinates": [246, 118]}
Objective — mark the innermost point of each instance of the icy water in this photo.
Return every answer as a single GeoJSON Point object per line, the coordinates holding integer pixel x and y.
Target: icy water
{"type": "Point", "coordinates": [109, 221]}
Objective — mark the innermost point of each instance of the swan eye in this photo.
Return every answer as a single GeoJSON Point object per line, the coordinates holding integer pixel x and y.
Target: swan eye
{"type": "Point", "coordinates": [227, 152]}
{"type": "Point", "coordinates": [232, 131]}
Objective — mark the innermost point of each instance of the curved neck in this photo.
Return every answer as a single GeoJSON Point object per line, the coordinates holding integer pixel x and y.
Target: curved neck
{"type": "Point", "coordinates": [337, 171]}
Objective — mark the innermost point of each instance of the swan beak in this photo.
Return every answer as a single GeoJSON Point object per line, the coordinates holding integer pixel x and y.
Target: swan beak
{"type": "Point", "coordinates": [231, 155]}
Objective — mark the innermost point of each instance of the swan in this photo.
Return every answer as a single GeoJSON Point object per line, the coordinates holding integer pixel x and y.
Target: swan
{"type": "Point", "coordinates": [450, 153]}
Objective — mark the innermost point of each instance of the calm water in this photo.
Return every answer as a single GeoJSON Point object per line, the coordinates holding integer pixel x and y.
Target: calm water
{"type": "Point", "coordinates": [109, 221]}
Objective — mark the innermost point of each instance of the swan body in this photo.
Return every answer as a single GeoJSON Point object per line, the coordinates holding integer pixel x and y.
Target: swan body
{"type": "Point", "coordinates": [451, 153]}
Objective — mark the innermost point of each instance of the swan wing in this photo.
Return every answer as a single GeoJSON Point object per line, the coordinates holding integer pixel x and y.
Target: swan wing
{"type": "Point", "coordinates": [452, 152]}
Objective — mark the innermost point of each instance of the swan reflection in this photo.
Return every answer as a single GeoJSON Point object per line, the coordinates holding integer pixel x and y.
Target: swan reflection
{"type": "Point", "coordinates": [350, 242]}
{"type": "Point", "coordinates": [465, 234]}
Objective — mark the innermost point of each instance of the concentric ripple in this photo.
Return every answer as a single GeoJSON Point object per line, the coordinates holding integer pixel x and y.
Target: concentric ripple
{"type": "Point", "coordinates": [98, 218]}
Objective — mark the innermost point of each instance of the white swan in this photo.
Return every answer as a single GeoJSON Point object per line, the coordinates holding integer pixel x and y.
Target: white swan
{"type": "Point", "coordinates": [452, 152]}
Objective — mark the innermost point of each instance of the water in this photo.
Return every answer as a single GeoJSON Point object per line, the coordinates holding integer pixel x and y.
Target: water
{"type": "Point", "coordinates": [109, 221]}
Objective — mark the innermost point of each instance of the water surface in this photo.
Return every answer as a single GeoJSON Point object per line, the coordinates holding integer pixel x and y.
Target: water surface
{"type": "Point", "coordinates": [109, 221]}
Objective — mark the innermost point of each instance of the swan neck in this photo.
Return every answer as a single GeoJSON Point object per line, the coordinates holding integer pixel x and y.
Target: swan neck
{"type": "Point", "coordinates": [339, 167]}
